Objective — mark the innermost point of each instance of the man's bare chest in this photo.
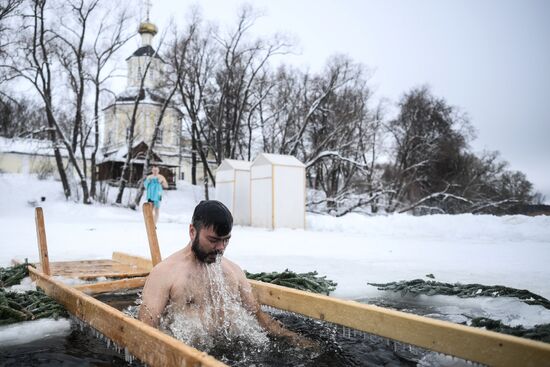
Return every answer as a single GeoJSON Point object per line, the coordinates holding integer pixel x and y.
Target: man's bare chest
{"type": "Point", "coordinates": [196, 291]}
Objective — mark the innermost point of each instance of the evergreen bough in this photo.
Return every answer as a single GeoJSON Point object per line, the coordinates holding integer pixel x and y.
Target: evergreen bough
{"type": "Point", "coordinates": [13, 275]}
{"type": "Point", "coordinates": [538, 332]}
{"type": "Point", "coordinates": [24, 306]}
{"type": "Point", "coordinates": [431, 288]}
{"type": "Point", "coordinates": [309, 282]}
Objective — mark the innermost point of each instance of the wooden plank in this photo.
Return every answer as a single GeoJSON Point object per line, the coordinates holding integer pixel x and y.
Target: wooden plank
{"type": "Point", "coordinates": [462, 341]}
{"type": "Point", "coordinates": [146, 343]}
{"type": "Point", "coordinates": [151, 233]}
{"type": "Point", "coordinates": [92, 269]}
{"type": "Point", "coordinates": [95, 265]}
{"type": "Point", "coordinates": [112, 275]}
{"type": "Point", "coordinates": [42, 242]}
{"type": "Point", "coordinates": [112, 286]}
{"type": "Point", "coordinates": [76, 263]}
{"type": "Point", "coordinates": [138, 261]}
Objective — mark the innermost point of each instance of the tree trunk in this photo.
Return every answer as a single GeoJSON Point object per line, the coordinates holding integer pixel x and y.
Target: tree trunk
{"type": "Point", "coordinates": [58, 159]}
{"type": "Point", "coordinates": [194, 152]}
{"type": "Point", "coordinates": [93, 181]}
{"type": "Point", "coordinates": [205, 173]}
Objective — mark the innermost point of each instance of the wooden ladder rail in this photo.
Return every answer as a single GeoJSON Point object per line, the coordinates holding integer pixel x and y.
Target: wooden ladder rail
{"type": "Point", "coordinates": [111, 285]}
{"type": "Point", "coordinates": [42, 241]}
{"type": "Point", "coordinates": [151, 233]}
{"type": "Point", "coordinates": [146, 343]}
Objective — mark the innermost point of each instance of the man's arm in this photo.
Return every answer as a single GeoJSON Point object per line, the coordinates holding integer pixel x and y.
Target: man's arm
{"type": "Point", "coordinates": [154, 297]}
{"type": "Point", "coordinates": [274, 327]}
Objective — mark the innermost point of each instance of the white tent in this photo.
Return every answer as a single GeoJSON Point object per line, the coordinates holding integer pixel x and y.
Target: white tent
{"type": "Point", "coordinates": [233, 189]}
{"type": "Point", "coordinates": [277, 192]}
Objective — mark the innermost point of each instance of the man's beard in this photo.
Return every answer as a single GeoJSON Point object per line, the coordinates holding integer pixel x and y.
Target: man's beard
{"type": "Point", "coordinates": [201, 255]}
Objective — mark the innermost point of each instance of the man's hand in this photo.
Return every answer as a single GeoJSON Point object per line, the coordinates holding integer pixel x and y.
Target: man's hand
{"type": "Point", "coordinates": [272, 326]}
{"type": "Point", "coordinates": [304, 343]}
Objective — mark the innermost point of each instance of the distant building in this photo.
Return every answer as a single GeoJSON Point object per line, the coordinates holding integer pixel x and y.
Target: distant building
{"type": "Point", "coordinates": [117, 117]}
{"type": "Point", "coordinates": [170, 155]}
{"type": "Point", "coordinates": [32, 156]}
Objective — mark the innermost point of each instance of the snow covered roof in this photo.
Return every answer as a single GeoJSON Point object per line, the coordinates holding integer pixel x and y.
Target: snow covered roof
{"type": "Point", "coordinates": [139, 150]}
{"type": "Point", "coordinates": [25, 146]}
{"type": "Point", "coordinates": [234, 164]}
{"type": "Point", "coordinates": [277, 160]}
{"type": "Point", "coordinates": [120, 153]}
{"type": "Point", "coordinates": [145, 51]}
{"type": "Point", "coordinates": [145, 95]}
{"type": "Point", "coordinates": [34, 147]}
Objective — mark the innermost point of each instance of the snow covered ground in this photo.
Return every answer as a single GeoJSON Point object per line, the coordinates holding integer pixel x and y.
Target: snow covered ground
{"type": "Point", "coordinates": [513, 251]}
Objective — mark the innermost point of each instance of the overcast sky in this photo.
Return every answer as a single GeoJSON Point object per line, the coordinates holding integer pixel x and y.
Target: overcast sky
{"type": "Point", "coordinates": [489, 58]}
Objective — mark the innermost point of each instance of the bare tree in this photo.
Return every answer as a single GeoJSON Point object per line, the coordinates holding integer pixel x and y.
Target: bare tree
{"type": "Point", "coordinates": [429, 137]}
{"type": "Point", "coordinates": [8, 9]}
{"type": "Point", "coordinates": [75, 26]}
{"type": "Point", "coordinates": [33, 61]}
{"type": "Point", "coordinates": [21, 117]}
{"type": "Point", "coordinates": [233, 98]}
{"type": "Point", "coordinates": [141, 93]}
{"type": "Point", "coordinates": [489, 185]}
{"type": "Point", "coordinates": [110, 37]}
{"type": "Point", "coordinates": [219, 90]}
{"type": "Point", "coordinates": [53, 52]}
{"type": "Point", "coordinates": [198, 63]}
{"type": "Point", "coordinates": [72, 34]}
{"type": "Point", "coordinates": [177, 56]}
{"type": "Point", "coordinates": [325, 121]}
{"type": "Point", "coordinates": [279, 114]}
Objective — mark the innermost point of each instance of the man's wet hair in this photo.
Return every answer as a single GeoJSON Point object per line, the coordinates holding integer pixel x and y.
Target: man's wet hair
{"type": "Point", "coordinates": [212, 213]}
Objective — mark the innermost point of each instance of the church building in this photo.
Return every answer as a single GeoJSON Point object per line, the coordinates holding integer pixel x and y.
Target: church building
{"type": "Point", "coordinates": [117, 117]}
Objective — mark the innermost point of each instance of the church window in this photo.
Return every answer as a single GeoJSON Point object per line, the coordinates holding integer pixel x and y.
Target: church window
{"type": "Point", "coordinates": [158, 140]}
{"type": "Point", "coordinates": [109, 137]}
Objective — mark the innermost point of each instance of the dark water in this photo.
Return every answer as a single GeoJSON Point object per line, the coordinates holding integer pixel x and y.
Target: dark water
{"type": "Point", "coordinates": [79, 348]}
{"type": "Point", "coordinates": [337, 346]}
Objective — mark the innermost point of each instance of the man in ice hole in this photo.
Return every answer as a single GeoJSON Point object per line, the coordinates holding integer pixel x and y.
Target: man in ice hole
{"type": "Point", "coordinates": [182, 282]}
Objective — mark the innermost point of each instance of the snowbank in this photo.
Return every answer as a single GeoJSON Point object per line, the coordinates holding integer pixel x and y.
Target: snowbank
{"type": "Point", "coordinates": [513, 251]}
{"type": "Point", "coordinates": [26, 332]}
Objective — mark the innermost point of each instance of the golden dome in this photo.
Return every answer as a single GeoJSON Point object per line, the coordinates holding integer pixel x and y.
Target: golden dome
{"type": "Point", "coordinates": [147, 27]}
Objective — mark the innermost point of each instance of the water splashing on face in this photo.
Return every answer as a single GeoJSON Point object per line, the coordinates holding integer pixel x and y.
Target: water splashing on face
{"type": "Point", "coordinates": [219, 319]}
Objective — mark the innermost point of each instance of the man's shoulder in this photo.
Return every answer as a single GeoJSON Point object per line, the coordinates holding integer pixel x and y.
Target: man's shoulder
{"type": "Point", "coordinates": [161, 269]}
{"type": "Point", "coordinates": [230, 263]}
{"type": "Point", "coordinates": [177, 261]}
{"type": "Point", "coordinates": [233, 266]}
{"type": "Point", "coordinates": [166, 264]}
{"type": "Point", "coordinates": [165, 271]}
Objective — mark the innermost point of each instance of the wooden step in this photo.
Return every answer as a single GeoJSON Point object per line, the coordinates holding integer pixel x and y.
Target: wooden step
{"type": "Point", "coordinates": [92, 269]}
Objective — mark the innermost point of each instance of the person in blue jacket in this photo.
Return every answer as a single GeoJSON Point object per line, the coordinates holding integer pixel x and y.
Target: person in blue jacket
{"type": "Point", "coordinates": [154, 183]}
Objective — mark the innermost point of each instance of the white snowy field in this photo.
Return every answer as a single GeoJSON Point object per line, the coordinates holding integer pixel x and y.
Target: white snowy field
{"type": "Point", "coordinates": [513, 251]}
